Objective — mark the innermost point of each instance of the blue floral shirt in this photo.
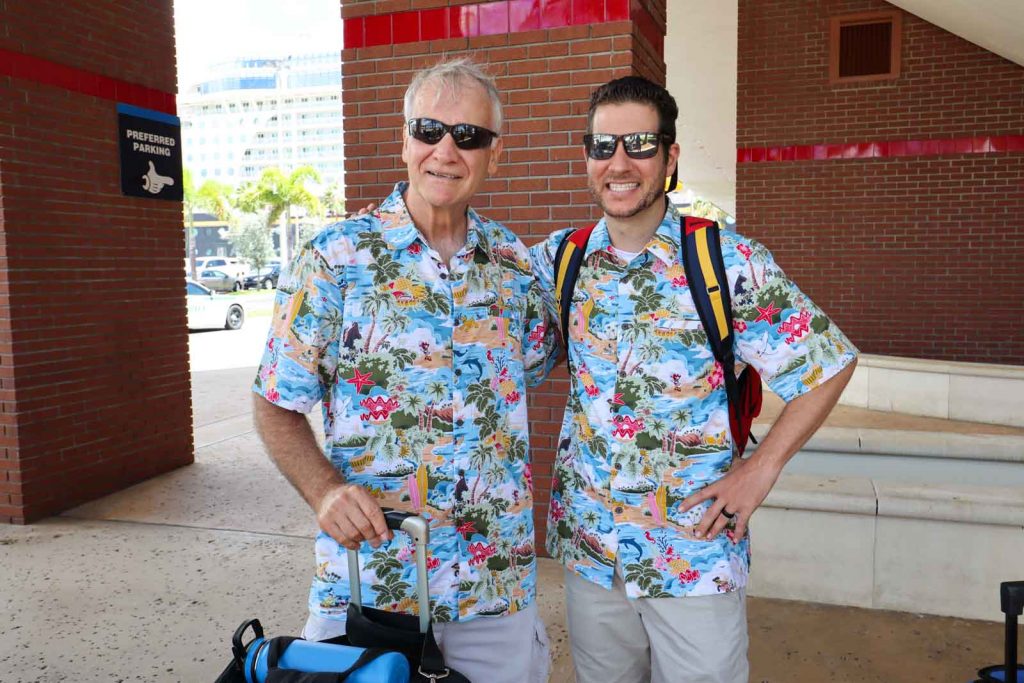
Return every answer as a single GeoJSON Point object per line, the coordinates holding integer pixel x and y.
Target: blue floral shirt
{"type": "Point", "coordinates": [422, 374]}
{"type": "Point", "coordinates": [646, 423]}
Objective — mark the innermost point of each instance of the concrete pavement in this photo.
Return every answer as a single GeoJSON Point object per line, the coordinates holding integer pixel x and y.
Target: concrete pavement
{"type": "Point", "coordinates": [148, 584]}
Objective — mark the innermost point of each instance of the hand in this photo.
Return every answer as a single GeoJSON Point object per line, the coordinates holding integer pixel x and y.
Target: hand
{"type": "Point", "coordinates": [350, 515]}
{"type": "Point", "coordinates": [739, 493]}
{"type": "Point", "coordinates": [366, 209]}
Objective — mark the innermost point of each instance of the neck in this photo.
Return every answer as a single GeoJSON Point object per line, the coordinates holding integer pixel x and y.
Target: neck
{"type": "Point", "coordinates": [632, 234]}
{"type": "Point", "coordinates": [444, 229]}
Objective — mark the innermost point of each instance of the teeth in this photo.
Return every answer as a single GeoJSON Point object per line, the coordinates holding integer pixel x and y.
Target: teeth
{"type": "Point", "coordinates": [622, 187]}
{"type": "Point", "coordinates": [442, 175]}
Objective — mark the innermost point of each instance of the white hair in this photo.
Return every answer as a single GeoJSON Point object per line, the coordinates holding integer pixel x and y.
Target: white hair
{"type": "Point", "coordinates": [451, 76]}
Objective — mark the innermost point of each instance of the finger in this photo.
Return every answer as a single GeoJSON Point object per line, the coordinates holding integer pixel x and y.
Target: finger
{"type": "Point", "coordinates": [740, 530]}
{"type": "Point", "coordinates": [713, 512]}
{"type": "Point", "coordinates": [375, 516]}
{"type": "Point", "coordinates": [720, 523]}
{"type": "Point", "coordinates": [694, 499]}
{"type": "Point", "coordinates": [363, 524]}
{"type": "Point", "coordinates": [351, 537]}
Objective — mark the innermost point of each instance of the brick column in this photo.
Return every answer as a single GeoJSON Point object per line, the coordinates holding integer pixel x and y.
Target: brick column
{"type": "Point", "coordinates": [94, 379]}
{"type": "Point", "coordinates": [547, 56]}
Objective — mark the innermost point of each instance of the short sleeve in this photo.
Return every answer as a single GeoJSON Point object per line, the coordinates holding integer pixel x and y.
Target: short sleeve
{"type": "Point", "coordinates": [301, 354]}
{"type": "Point", "coordinates": [780, 332]}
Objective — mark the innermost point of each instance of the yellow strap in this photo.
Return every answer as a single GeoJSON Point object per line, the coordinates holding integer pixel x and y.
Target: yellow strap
{"type": "Point", "coordinates": [711, 280]}
{"type": "Point", "coordinates": [563, 267]}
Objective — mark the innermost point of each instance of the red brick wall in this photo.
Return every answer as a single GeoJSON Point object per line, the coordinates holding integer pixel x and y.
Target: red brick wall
{"type": "Point", "coordinates": [94, 382]}
{"type": "Point", "coordinates": [909, 254]}
{"type": "Point", "coordinates": [545, 77]}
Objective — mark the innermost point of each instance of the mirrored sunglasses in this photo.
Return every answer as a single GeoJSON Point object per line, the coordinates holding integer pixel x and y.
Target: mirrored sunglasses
{"type": "Point", "coordinates": [464, 135]}
{"type": "Point", "coordinates": [601, 146]}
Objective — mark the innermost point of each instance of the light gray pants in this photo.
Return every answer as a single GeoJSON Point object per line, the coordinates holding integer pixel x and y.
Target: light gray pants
{"type": "Point", "coordinates": [512, 649]}
{"type": "Point", "coordinates": [655, 640]}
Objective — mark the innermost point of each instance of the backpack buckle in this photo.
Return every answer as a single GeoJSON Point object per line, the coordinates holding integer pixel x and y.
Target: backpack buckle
{"type": "Point", "coordinates": [432, 676]}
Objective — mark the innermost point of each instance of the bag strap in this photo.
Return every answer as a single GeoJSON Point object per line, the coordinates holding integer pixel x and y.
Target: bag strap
{"type": "Point", "coordinates": [568, 260]}
{"type": "Point", "coordinates": [277, 646]}
{"type": "Point", "coordinates": [709, 285]}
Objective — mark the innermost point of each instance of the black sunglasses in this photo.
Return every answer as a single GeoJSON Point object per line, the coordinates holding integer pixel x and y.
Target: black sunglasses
{"type": "Point", "coordinates": [464, 135]}
{"type": "Point", "coordinates": [601, 146]}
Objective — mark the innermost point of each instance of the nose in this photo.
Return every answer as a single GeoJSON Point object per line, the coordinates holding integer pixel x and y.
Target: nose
{"type": "Point", "coordinates": [446, 149]}
{"type": "Point", "coordinates": [619, 157]}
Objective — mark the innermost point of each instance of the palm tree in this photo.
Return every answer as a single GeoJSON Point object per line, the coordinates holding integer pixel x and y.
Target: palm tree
{"type": "Point", "coordinates": [393, 322]}
{"type": "Point", "coordinates": [278, 194]}
{"type": "Point", "coordinates": [375, 303]}
{"type": "Point", "coordinates": [211, 196]}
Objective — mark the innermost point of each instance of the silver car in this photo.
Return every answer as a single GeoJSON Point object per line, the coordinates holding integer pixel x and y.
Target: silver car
{"type": "Point", "coordinates": [209, 310]}
{"type": "Point", "coordinates": [219, 281]}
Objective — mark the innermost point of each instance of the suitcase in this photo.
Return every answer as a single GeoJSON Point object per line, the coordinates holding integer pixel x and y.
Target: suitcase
{"type": "Point", "coordinates": [1011, 598]}
{"type": "Point", "coordinates": [378, 647]}
{"type": "Point", "coordinates": [413, 636]}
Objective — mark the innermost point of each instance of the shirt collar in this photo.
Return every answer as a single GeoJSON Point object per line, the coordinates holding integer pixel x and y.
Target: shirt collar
{"type": "Point", "coordinates": [664, 245]}
{"type": "Point", "coordinates": [400, 232]}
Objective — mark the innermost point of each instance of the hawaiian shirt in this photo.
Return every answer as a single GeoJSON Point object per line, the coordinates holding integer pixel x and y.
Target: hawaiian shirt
{"type": "Point", "coordinates": [422, 373]}
{"type": "Point", "coordinates": [646, 422]}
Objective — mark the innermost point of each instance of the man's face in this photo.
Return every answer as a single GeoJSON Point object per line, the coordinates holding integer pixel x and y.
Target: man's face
{"type": "Point", "coordinates": [442, 176]}
{"type": "Point", "coordinates": [624, 187]}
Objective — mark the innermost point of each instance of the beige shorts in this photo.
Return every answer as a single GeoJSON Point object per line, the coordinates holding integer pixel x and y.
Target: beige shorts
{"type": "Point", "coordinates": [655, 640]}
{"type": "Point", "coordinates": [512, 649]}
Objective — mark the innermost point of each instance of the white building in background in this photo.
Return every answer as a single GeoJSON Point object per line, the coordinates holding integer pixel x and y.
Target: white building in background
{"type": "Point", "coordinates": [250, 114]}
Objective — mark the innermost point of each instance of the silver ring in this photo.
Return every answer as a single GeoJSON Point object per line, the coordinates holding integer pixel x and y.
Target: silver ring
{"type": "Point", "coordinates": [728, 515]}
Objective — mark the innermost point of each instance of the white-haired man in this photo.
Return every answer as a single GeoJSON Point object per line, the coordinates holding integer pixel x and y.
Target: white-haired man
{"type": "Point", "coordinates": [418, 327]}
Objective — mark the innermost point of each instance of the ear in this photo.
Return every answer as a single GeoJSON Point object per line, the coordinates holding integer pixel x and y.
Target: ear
{"type": "Point", "coordinates": [495, 152]}
{"type": "Point", "coordinates": [673, 159]}
{"type": "Point", "coordinates": [405, 144]}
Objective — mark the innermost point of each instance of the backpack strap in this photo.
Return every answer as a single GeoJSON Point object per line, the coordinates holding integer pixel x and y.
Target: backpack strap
{"type": "Point", "coordinates": [709, 285]}
{"type": "Point", "coordinates": [568, 260]}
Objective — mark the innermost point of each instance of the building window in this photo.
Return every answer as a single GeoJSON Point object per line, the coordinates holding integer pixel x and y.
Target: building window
{"type": "Point", "coordinates": [864, 47]}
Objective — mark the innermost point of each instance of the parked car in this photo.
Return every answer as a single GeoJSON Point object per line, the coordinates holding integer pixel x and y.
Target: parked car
{"type": "Point", "coordinates": [209, 310]}
{"type": "Point", "coordinates": [231, 265]}
{"type": "Point", "coordinates": [264, 278]}
{"type": "Point", "coordinates": [219, 281]}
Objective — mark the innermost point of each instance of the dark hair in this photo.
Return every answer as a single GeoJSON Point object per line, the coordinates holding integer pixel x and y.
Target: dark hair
{"type": "Point", "coordinates": [630, 89]}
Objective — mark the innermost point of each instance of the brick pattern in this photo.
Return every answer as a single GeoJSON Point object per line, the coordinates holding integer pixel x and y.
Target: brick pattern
{"type": "Point", "coordinates": [546, 77]}
{"type": "Point", "coordinates": [908, 253]}
{"type": "Point", "coordinates": [94, 383]}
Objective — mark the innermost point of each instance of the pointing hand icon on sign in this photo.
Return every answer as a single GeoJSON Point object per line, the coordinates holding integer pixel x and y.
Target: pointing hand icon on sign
{"type": "Point", "coordinates": [153, 182]}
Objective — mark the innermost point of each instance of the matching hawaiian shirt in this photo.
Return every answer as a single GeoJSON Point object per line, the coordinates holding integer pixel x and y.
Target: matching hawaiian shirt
{"type": "Point", "coordinates": [646, 423]}
{"type": "Point", "coordinates": [422, 371]}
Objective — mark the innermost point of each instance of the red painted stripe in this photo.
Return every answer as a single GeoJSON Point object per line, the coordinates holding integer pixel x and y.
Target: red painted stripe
{"type": "Point", "coordinates": [882, 149]}
{"type": "Point", "coordinates": [37, 70]}
{"type": "Point", "coordinates": [482, 19]}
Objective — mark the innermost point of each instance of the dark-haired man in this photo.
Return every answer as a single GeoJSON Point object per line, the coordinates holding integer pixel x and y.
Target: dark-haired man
{"type": "Point", "coordinates": [645, 481]}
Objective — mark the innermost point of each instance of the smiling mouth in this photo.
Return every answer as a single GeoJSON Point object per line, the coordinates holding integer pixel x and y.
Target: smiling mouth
{"type": "Point", "coordinates": [443, 176]}
{"type": "Point", "coordinates": [622, 187]}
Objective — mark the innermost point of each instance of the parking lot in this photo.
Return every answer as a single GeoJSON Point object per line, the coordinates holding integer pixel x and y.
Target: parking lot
{"type": "Point", "coordinates": [226, 349]}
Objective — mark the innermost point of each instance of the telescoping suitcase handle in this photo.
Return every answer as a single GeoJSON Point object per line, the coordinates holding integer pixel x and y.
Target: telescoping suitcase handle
{"type": "Point", "coordinates": [419, 532]}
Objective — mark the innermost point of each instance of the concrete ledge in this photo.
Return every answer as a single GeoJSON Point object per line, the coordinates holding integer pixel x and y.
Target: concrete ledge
{"type": "Point", "coordinates": [994, 447]}
{"type": "Point", "coordinates": [974, 392]}
{"type": "Point", "coordinates": [936, 549]}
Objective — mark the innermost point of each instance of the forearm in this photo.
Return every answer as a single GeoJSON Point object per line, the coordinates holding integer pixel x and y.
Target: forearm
{"type": "Point", "coordinates": [293, 447]}
{"type": "Point", "coordinates": [799, 420]}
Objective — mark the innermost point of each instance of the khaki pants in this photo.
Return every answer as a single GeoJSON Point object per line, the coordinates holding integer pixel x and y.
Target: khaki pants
{"type": "Point", "coordinates": [512, 649]}
{"type": "Point", "coordinates": [657, 640]}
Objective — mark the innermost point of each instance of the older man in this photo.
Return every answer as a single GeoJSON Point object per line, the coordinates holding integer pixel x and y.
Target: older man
{"type": "Point", "coordinates": [418, 326]}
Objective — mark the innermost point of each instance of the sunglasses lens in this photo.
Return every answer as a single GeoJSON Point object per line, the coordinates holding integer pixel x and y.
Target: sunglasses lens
{"type": "Point", "coordinates": [427, 130]}
{"type": "Point", "coordinates": [640, 145]}
{"type": "Point", "coordinates": [600, 146]}
{"type": "Point", "coordinates": [468, 136]}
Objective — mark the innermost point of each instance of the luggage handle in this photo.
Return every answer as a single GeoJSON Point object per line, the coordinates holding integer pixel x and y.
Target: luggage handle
{"type": "Point", "coordinates": [419, 532]}
{"type": "Point", "coordinates": [1011, 599]}
{"type": "Point", "coordinates": [238, 649]}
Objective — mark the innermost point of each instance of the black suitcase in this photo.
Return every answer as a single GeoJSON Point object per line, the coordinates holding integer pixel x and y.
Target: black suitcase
{"type": "Point", "coordinates": [1011, 598]}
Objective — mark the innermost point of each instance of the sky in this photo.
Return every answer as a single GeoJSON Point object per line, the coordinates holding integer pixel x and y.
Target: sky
{"type": "Point", "coordinates": [213, 31]}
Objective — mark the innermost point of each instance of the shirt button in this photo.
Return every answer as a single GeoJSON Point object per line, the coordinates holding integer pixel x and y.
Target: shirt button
{"type": "Point", "coordinates": [444, 276]}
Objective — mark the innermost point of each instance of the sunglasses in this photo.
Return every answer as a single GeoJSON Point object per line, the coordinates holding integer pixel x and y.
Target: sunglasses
{"type": "Point", "coordinates": [601, 146]}
{"type": "Point", "coordinates": [464, 135]}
